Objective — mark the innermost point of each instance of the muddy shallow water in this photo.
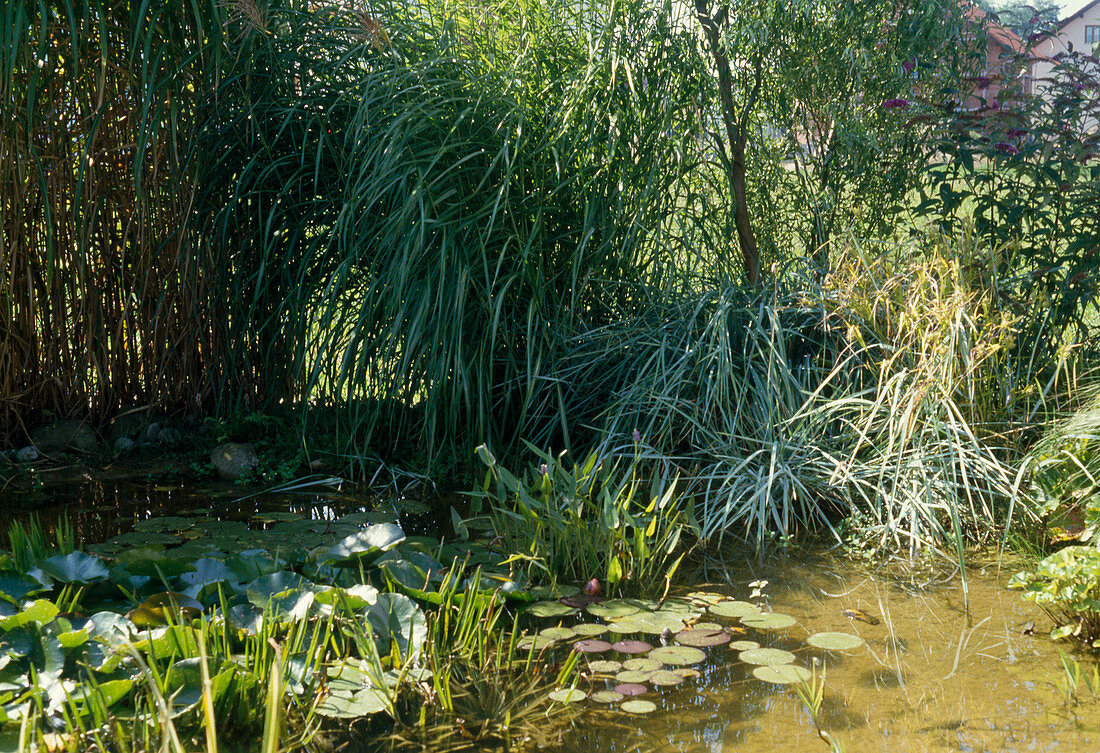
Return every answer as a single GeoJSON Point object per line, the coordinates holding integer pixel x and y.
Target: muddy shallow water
{"type": "Point", "coordinates": [932, 675]}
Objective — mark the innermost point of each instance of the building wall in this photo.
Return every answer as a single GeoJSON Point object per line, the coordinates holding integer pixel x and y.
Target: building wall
{"type": "Point", "coordinates": [1072, 33]}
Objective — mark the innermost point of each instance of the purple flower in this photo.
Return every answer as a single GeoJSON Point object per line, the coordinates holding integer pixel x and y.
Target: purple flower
{"type": "Point", "coordinates": [543, 469]}
{"type": "Point", "coordinates": [895, 104]}
{"type": "Point", "coordinates": [636, 436]}
{"type": "Point", "coordinates": [1004, 148]}
{"type": "Point", "coordinates": [984, 82]}
{"type": "Point", "coordinates": [909, 65]}
{"type": "Point", "coordinates": [1016, 133]}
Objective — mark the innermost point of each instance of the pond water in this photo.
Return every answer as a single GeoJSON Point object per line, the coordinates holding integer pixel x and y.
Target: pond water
{"type": "Point", "coordinates": [931, 675]}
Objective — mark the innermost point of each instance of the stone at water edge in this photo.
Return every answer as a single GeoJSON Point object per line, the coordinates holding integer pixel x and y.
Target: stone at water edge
{"type": "Point", "coordinates": [65, 435]}
{"type": "Point", "coordinates": [27, 455]}
{"type": "Point", "coordinates": [124, 445]}
{"type": "Point", "coordinates": [233, 461]}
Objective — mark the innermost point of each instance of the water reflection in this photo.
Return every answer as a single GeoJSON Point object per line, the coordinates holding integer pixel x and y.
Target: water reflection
{"type": "Point", "coordinates": [930, 678]}
{"type": "Point", "coordinates": [100, 510]}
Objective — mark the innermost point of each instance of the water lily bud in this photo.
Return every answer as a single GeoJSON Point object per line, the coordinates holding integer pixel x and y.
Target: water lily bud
{"type": "Point", "coordinates": [593, 587]}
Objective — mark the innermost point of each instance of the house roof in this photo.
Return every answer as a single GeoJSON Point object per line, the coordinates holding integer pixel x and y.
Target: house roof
{"type": "Point", "coordinates": [1080, 12]}
{"type": "Point", "coordinates": [998, 33]}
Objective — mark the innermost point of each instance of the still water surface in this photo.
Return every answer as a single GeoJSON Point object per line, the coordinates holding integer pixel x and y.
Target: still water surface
{"type": "Point", "coordinates": [932, 676]}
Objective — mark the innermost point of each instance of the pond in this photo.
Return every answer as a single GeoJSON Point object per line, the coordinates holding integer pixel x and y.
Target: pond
{"type": "Point", "coordinates": [932, 671]}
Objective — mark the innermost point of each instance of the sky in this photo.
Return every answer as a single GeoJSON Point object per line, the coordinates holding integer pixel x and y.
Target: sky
{"type": "Point", "coordinates": [1070, 7]}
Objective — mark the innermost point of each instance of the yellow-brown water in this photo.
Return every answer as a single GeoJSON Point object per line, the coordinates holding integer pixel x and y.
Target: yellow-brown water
{"type": "Point", "coordinates": [930, 678]}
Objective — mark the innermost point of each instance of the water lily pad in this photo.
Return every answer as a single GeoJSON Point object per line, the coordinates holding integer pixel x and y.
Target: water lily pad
{"type": "Point", "coordinates": [605, 666]}
{"type": "Point", "coordinates": [700, 637]}
{"type": "Point", "coordinates": [550, 609]}
{"type": "Point", "coordinates": [642, 664]}
{"type": "Point", "coordinates": [638, 707]}
{"type": "Point", "coordinates": [555, 592]}
{"type": "Point", "coordinates": [166, 523]}
{"type": "Point", "coordinates": [165, 607]}
{"type": "Point", "coordinates": [770, 621]}
{"type": "Point", "coordinates": [705, 597]}
{"type": "Point", "coordinates": [664, 678]}
{"type": "Point", "coordinates": [631, 688]}
{"type": "Point", "coordinates": [782, 674]}
{"type": "Point", "coordinates": [362, 703]}
{"type": "Point", "coordinates": [74, 567]}
{"type": "Point", "coordinates": [364, 547]}
{"type": "Point", "coordinates": [16, 586]}
{"type": "Point", "coordinates": [589, 629]}
{"type": "Point", "coordinates": [591, 646]}
{"type": "Point", "coordinates": [744, 645]}
{"type": "Point", "coordinates": [613, 609]}
{"type": "Point", "coordinates": [567, 695]}
{"type": "Point", "coordinates": [558, 633]}
{"type": "Point", "coordinates": [631, 676]}
{"type": "Point", "coordinates": [687, 672]}
{"type": "Point", "coordinates": [835, 641]}
{"type": "Point", "coordinates": [734, 609]}
{"type": "Point", "coordinates": [632, 647]}
{"type": "Point", "coordinates": [677, 655]}
{"type": "Point", "coordinates": [606, 696]}
{"type": "Point", "coordinates": [533, 642]}
{"type": "Point", "coordinates": [709, 626]}
{"type": "Point", "coordinates": [766, 656]}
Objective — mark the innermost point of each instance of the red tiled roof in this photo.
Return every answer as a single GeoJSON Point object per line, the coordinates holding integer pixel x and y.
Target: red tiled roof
{"type": "Point", "coordinates": [998, 34]}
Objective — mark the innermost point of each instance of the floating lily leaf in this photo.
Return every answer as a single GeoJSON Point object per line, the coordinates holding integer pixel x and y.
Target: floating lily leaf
{"type": "Point", "coordinates": [533, 643]}
{"type": "Point", "coordinates": [664, 678]}
{"type": "Point", "coordinates": [555, 592]}
{"type": "Point", "coordinates": [591, 646]}
{"type": "Point", "coordinates": [613, 609]}
{"type": "Point", "coordinates": [567, 695]}
{"type": "Point", "coordinates": [153, 563]}
{"type": "Point", "coordinates": [363, 703]}
{"type": "Point", "coordinates": [632, 647]}
{"type": "Point", "coordinates": [589, 629]}
{"type": "Point", "coordinates": [110, 628]}
{"type": "Point", "coordinates": [264, 589]}
{"type": "Point", "coordinates": [74, 567]}
{"type": "Point", "coordinates": [677, 655]}
{"type": "Point", "coordinates": [770, 621]}
{"type": "Point", "coordinates": [550, 609]}
{"type": "Point", "coordinates": [835, 641]}
{"type": "Point", "coordinates": [766, 656]}
{"type": "Point", "coordinates": [355, 598]}
{"type": "Point", "coordinates": [782, 674]}
{"type": "Point", "coordinates": [638, 707]}
{"type": "Point", "coordinates": [167, 523]}
{"type": "Point", "coordinates": [734, 608]}
{"type": "Point", "coordinates": [605, 666]}
{"type": "Point", "coordinates": [108, 692]}
{"type": "Point", "coordinates": [698, 637]}
{"type": "Point", "coordinates": [247, 618]}
{"type": "Point", "coordinates": [631, 688]}
{"type": "Point", "coordinates": [41, 612]}
{"type": "Point", "coordinates": [686, 672]}
{"type": "Point", "coordinates": [15, 586]}
{"type": "Point", "coordinates": [631, 676]}
{"type": "Point", "coordinates": [165, 607]}
{"type": "Point", "coordinates": [172, 640]}
{"type": "Point", "coordinates": [558, 633]}
{"type": "Point", "coordinates": [744, 645]}
{"type": "Point", "coordinates": [251, 564]}
{"type": "Point", "coordinates": [363, 548]}
{"type": "Point", "coordinates": [606, 696]}
{"type": "Point", "coordinates": [397, 617]}
{"type": "Point", "coordinates": [642, 664]}
{"type": "Point", "coordinates": [206, 571]}
{"type": "Point", "coordinates": [705, 597]}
